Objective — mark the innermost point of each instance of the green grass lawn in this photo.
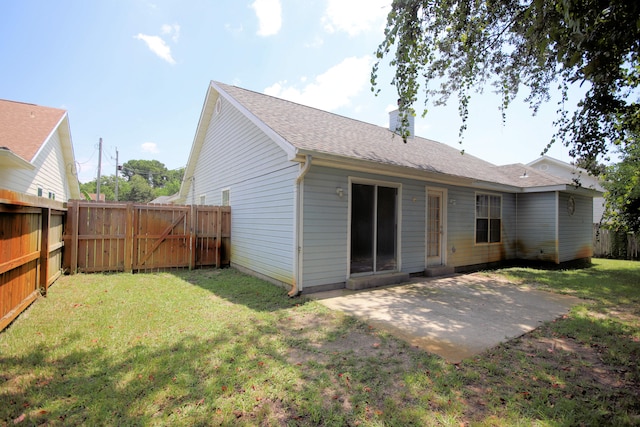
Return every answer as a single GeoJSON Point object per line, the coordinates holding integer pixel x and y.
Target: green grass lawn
{"type": "Point", "coordinates": [216, 347]}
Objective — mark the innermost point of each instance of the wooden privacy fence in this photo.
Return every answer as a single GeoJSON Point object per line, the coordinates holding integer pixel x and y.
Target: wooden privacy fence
{"type": "Point", "coordinates": [142, 237]}
{"type": "Point", "coordinates": [613, 244]}
{"type": "Point", "coordinates": [30, 250]}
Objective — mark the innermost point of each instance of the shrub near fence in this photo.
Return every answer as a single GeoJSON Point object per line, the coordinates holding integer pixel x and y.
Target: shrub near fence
{"type": "Point", "coordinates": [30, 250]}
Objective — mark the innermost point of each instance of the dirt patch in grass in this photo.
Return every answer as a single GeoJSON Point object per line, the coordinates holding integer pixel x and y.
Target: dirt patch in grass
{"type": "Point", "coordinates": [545, 369]}
{"type": "Point", "coordinates": [534, 377]}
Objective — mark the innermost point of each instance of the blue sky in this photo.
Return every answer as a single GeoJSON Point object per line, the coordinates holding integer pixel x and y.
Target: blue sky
{"type": "Point", "coordinates": [135, 72]}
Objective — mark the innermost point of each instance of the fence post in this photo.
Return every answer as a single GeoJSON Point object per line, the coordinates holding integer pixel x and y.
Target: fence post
{"type": "Point", "coordinates": [193, 235]}
{"type": "Point", "coordinates": [218, 236]}
{"type": "Point", "coordinates": [44, 250]}
{"type": "Point", "coordinates": [129, 238]}
{"type": "Point", "coordinates": [74, 211]}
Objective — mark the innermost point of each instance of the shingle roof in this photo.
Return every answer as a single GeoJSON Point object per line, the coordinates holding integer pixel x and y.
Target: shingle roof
{"type": "Point", "coordinates": [25, 127]}
{"type": "Point", "coordinates": [314, 130]}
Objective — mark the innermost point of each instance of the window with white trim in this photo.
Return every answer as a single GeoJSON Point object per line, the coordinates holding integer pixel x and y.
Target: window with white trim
{"type": "Point", "coordinates": [488, 218]}
{"type": "Point", "coordinates": [225, 197]}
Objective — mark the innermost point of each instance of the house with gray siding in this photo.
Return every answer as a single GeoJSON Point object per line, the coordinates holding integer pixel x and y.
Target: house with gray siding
{"type": "Point", "coordinates": [321, 201]}
{"type": "Point", "coordinates": [575, 174]}
{"type": "Point", "coordinates": [36, 153]}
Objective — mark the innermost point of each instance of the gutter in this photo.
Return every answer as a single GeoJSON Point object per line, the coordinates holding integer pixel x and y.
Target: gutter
{"type": "Point", "coordinates": [296, 288]}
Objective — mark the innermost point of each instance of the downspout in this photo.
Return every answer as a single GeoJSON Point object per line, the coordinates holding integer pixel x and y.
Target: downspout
{"type": "Point", "coordinates": [297, 279]}
{"type": "Point", "coordinates": [517, 230]}
{"type": "Point", "coordinates": [557, 234]}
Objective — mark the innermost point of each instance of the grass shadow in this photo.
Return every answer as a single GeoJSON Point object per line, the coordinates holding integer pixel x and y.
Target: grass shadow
{"type": "Point", "coordinates": [614, 283]}
{"type": "Point", "coordinates": [239, 288]}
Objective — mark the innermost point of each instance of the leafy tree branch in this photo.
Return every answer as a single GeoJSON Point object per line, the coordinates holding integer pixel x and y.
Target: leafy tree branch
{"type": "Point", "coordinates": [440, 48]}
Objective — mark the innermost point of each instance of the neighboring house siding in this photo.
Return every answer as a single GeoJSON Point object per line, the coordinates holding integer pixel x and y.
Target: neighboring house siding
{"type": "Point", "coordinates": [537, 226]}
{"type": "Point", "coordinates": [598, 209]}
{"type": "Point", "coordinates": [461, 243]}
{"type": "Point", "coordinates": [17, 180]}
{"type": "Point", "coordinates": [238, 156]}
{"type": "Point", "coordinates": [49, 173]}
{"type": "Point", "coordinates": [575, 231]}
{"type": "Point", "coordinates": [50, 168]}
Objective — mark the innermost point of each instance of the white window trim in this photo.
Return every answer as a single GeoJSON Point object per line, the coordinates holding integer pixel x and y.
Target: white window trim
{"type": "Point", "coordinates": [475, 218]}
{"type": "Point", "coordinates": [228, 190]}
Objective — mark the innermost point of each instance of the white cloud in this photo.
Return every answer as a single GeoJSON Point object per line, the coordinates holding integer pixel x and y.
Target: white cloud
{"type": "Point", "coordinates": [234, 30]}
{"type": "Point", "coordinates": [269, 13]}
{"type": "Point", "coordinates": [149, 147]}
{"type": "Point", "coordinates": [172, 30]}
{"type": "Point", "coordinates": [315, 43]}
{"type": "Point", "coordinates": [331, 90]}
{"type": "Point", "coordinates": [157, 46]}
{"type": "Point", "coordinates": [355, 16]}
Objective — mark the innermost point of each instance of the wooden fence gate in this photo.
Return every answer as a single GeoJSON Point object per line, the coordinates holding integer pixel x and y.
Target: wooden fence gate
{"type": "Point", "coordinates": [143, 237]}
{"type": "Point", "coordinates": [30, 250]}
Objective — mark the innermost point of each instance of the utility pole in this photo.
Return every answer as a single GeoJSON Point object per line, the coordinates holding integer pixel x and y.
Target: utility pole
{"type": "Point", "coordinates": [117, 169]}
{"type": "Point", "coordinates": [99, 167]}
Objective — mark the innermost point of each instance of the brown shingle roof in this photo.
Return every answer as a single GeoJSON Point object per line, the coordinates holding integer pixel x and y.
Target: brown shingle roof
{"type": "Point", "coordinates": [25, 127]}
{"type": "Point", "coordinates": [318, 131]}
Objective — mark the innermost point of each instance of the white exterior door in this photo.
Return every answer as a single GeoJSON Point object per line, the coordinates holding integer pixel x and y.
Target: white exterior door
{"type": "Point", "coordinates": [436, 227]}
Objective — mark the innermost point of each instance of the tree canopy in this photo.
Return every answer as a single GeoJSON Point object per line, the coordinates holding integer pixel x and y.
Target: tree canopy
{"type": "Point", "coordinates": [622, 182]}
{"type": "Point", "coordinates": [140, 181]}
{"type": "Point", "coordinates": [461, 46]}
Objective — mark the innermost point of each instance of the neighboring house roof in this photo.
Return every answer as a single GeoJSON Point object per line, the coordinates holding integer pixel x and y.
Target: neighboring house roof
{"type": "Point", "coordinates": [25, 128]}
{"type": "Point", "coordinates": [334, 139]}
{"type": "Point", "coordinates": [165, 200]}
{"type": "Point", "coordinates": [577, 173]}
{"type": "Point", "coordinates": [94, 197]}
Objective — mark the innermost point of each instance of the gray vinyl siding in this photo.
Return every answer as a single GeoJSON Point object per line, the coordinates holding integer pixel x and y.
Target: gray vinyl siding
{"type": "Point", "coordinates": [537, 226]}
{"type": "Point", "coordinates": [326, 219]}
{"type": "Point", "coordinates": [462, 249]}
{"type": "Point", "coordinates": [575, 231]}
{"type": "Point", "coordinates": [49, 173]}
{"type": "Point", "coordinates": [325, 232]}
{"type": "Point", "coordinates": [325, 254]}
{"type": "Point", "coordinates": [238, 156]}
{"type": "Point", "coordinates": [414, 207]}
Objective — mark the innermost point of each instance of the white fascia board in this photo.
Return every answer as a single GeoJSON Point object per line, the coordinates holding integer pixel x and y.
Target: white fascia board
{"type": "Point", "coordinates": [495, 186]}
{"type": "Point", "coordinates": [286, 146]}
{"type": "Point", "coordinates": [9, 159]}
{"type": "Point", "coordinates": [582, 191]}
{"type": "Point", "coordinates": [69, 157]}
{"type": "Point", "coordinates": [348, 163]}
{"type": "Point", "coordinates": [357, 165]}
{"type": "Point", "coordinates": [48, 138]}
{"type": "Point", "coordinates": [546, 188]}
{"type": "Point", "coordinates": [198, 140]}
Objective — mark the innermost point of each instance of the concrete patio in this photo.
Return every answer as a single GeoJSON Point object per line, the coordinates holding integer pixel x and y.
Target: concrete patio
{"type": "Point", "coordinates": [454, 317]}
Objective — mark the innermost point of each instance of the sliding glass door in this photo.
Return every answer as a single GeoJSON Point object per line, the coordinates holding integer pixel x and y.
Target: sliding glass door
{"type": "Point", "coordinates": [374, 223]}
